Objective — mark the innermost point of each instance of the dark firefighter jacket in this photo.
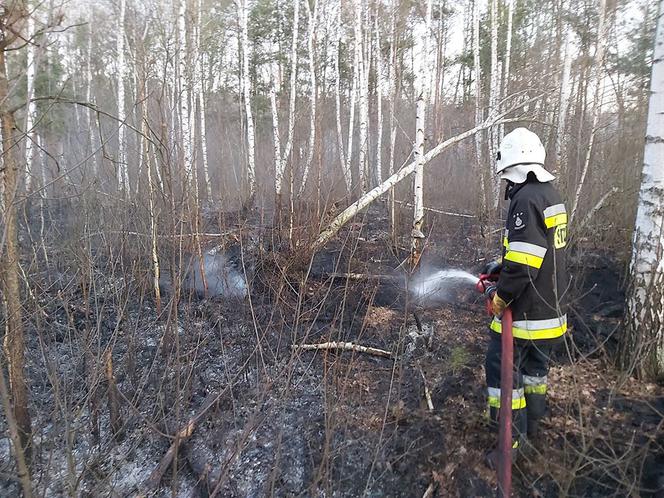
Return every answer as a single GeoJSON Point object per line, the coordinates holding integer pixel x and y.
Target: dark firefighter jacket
{"type": "Point", "coordinates": [534, 279]}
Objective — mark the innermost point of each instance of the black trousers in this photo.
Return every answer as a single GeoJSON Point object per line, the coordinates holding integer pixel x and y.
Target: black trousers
{"type": "Point", "coordinates": [531, 366]}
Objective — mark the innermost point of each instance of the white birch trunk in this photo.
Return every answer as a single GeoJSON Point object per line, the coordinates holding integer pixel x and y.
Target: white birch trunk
{"type": "Point", "coordinates": [478, 100]}
{"type": "Point", "coordinates": [494, 90]}
{"type": "Point", "coordinates": [597, 103]}
{"type": "Point", "coordinates": [378, 171]}
{"type": "Point", "coordinates": [508, 59]}
{"type": "Point", "coordinates": [363, 84]}
{"type": "Point", "coordinates": [420, 123]}
{"type": "Point", "coordinates": [392, 78]}
{"type": "Point", "coordinates": [89, 99]}
{"type": "Point", "coordinates": [199, 91]}
{"type": "Point", "coordinates": [345, 164]}
{"type": "Point", "coordinates": [243, 13]}
{"type": "Point", "coordinates": [122, 170]}
{"type": "Point", "coordinates": [311, 15]}
{"type": "Point", "coordinates": [644, 347]}
{"type": "Point", "coordinates": [282, 158]}
{"type": "Point", "coordinates": [184, 92]}
{"type": "Point", "coordinates": [31, 107]}
{"type": "Point", "coordinates": [564, 102]}
{"type": "Point", "coordinates": [279, 165]}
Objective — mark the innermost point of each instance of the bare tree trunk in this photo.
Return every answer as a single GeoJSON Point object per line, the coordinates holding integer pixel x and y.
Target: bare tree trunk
{"type": "Point", "coordinates": [508, 58]}
{"type": "Point", "coordinates": [88, 98]}
{"type": "Point", "coordinates": [643, 347]}
{"type": "Point", "coordinates": [494, 89]}
{"type": "Point", "coordinates": [311, 15]}
{"type": "Point", "coordinates": [280, 158]}
{"type": "Point", "coordinates": [378, 171]}
{"type": "Point", "coordinates": [31, 106]}
{"type": "Point", "coordinates": [363, 84]}
{"type": "Point", "coordinates": [563, 103]}
{"type": "Point", "coordinates": [597, 103]}
{"type": "Point", "coordinates": [122, 169]}
{"type": "Point", "coordinates": [343, 158]}
{"type": "Point", "coordinates": [478, 104]}
{"type": "Point", "coordinates": [14, 343]}
{"type": "Point", "coordinates": [392, 77]}
{"type": "Point", "coordinates": [184, 94]}
{"type": "Point", "coordinates": [199, 90]}
{"type": "Point", "coordinates": [243, 14]}
{"type": "Point", "coordinates": [420, 122]}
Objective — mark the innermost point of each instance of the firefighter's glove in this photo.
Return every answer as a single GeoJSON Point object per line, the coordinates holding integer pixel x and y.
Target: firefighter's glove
{"type": "Point", "coordinates": [497, 305]}
{"type": "Point", "coordinates": [492, 268]}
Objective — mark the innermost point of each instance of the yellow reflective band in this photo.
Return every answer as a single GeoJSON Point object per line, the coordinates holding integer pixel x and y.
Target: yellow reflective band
{"type": "Point", "coordinates": [532, 335]}
{"type": "Point", "coordinates": [540, 389]}
{"type": "Point", "coordinates": [505, 242]}
{"type": "Point", "coordinates": [524, 258]}
{"type": "Point", "coordinates": [555, 220]}
{"type": "Point", "coordinates": [517, 403]}
{"type": "Point", "coordinates": [515, 444]}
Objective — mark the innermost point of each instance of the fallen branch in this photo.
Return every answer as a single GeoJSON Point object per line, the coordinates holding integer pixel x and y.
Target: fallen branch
{"type": "Point", "coordinates": [158, 473]}
{"type": "Point", "coordinates": [397, 177]}
{"type": "Point", "coordinates": [365, 276]}
{"type": "Point", "coordinates": [347, 346]}
{"type": "Point", "coordinates": [427, 393]}
{"type": "Point", "coordinates": [596, 208]}
{"type": "Point", "coordinates": [438, 211]}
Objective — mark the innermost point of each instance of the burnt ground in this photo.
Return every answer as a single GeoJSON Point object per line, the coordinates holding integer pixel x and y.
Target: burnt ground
{"type": "Point", "coordinates": [289, 422]}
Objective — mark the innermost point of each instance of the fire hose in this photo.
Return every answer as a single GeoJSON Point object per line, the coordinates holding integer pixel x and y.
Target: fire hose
{"type": "Point", "coordinates": [487, 286]}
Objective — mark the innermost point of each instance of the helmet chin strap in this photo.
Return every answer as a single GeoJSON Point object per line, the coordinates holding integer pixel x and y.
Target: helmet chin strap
{"type": "Point", "coordinates": [508, 188]}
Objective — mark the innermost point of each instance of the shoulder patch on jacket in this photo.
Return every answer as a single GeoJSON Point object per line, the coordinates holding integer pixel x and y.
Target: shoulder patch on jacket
{"type": "Point", "coordinates": [519, 220]}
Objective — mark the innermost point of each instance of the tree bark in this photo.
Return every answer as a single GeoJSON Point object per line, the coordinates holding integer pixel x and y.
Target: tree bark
{"type": "Point", "coordinates": [478, 105]}
{"type": "Point", "coordinates": [311, 16]}
{"type": "Point", "coordinates": [643, 348]}
{"type": "Point", "coordinates": [417, 235]}
{"type": "Point", "coordinates": [14, 343]}
{"type": "Point", "coordinates": [122, 169]}
{"type": "Point", "coordinates": [344, 159]}
{"type": "Point", "coordinates": [563, 103]}
{"type": "Point", "coordinates": [363, 84]}
{"type": "Point", "coordinates": [31, 106]}
{"type": "Point", "coordinates": [243, 14]}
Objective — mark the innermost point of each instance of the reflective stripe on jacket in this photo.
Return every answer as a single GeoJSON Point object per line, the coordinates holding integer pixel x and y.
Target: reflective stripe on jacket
{"type": "Point", "coordinates": [534, 276]}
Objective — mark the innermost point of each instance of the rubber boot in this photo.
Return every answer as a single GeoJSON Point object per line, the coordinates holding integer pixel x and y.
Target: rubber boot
{"type": "Point", "coordinates": [492, 458]}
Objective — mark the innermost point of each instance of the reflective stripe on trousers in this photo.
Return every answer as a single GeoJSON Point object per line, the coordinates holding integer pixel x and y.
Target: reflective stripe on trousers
{"type": "Point", "coordinates": [518, 398]}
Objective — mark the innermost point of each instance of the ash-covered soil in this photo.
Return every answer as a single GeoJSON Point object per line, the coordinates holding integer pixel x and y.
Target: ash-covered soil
{"type": "Point", "coordinates": [288, 422]}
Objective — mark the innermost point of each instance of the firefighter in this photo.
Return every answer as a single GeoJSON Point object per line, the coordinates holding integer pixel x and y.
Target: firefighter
{"type": "Point", "coordinates": [532, 282]}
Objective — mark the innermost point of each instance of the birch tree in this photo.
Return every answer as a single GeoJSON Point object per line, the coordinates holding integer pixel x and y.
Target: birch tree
{"type": "Point", "coordinates": [281, 157]}
{"type": "Point", "coordinates": [344, 157]}
{"type": "Point", "coordinates": [508, 59]}
{"type": "Point", "coordinates": [643, 348]}
{"type": "Point", "coordinates": [378, 169]}
{"type": "Point", "coordinates": [122, 168]}
{"type": "Point", "coordinates": [184, 94]}
{"type": "Point", "coordinates": [199, 92]}
{"type": "Point", "coordinates": [363, 86]}
{"type": "Point", "coordinates": [494, 90]}
{"type": "Point", "coordinates": [478, 101]}
{"type": "Point", "coordinates": [31, 105]}
{"type": "Point", "coordinates": [418, 188]}
{"type": "Point", "coordinates": [563, 102]}
{"type": "Point", "coordinates": [311, 16]}
{"type": "Point", "coordinates": [243, 15]}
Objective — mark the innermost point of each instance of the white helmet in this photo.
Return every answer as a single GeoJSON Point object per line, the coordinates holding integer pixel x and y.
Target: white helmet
{"type": "Point", "coordinates": [521, 152]}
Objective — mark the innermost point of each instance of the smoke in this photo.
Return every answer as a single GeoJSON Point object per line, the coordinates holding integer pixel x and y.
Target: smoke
{"type": "Point", "coordinates": [440, 285]}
